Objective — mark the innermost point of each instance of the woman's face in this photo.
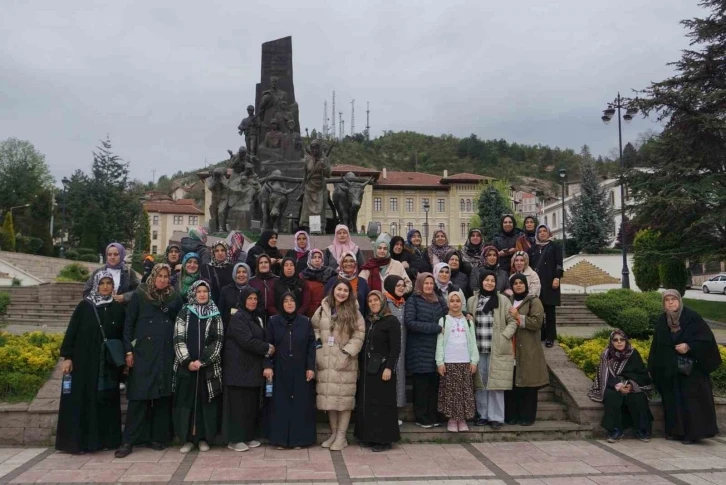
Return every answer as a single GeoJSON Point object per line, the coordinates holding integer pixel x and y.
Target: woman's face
{"type": "Point", "coordinates": [112, 256]}
{"type": "Point", "coordinates": [342, 236]}
{"type": "Point", "coordinates": [428, 286]}
{"type": "Point", "coordinates": [192, 266]}
{"type": "Point", "coordinates": [105, 287]}
{"type": "Point", "coordinates": [671, 303]}
{"type": "Point", "coordinates": [519, 263]}
{"type": "Point", "coordinates": [273, 241]}
{"type": "Point", "coordinates": [302, 240]}
{"type": "Point", "coordinates": [455, 303]}
{"type": "Point", "coordinates": [518, 287]}
{"type": "Point", "coordinates": [263, 265]}
{"type": "Point", "coordinates": [529, 225]}
{"type": "Point", "coordinates": [288, 269]}
{"type": "Point", "coordinates": [400, 289]}
{"type": "Point", "coordinates": [202, 294]}
{"type": "Point", "coordinates": [489, 283]}
{"type": "Point", "coordinates": [241, 277]}
{"type": "Point", "coordinates": [341, 293]}
{"type": "Point", "coordinates": [508, 224]}
{"type": "Point", "coordinates": [374, 303]}
{"type": "Point", "coordinates": [398, 247]}
{"type": "Point", "coordinates": [543, 234]}
{"type": "Point", "coordinates": [416, 239]}
{"type": "Point", "coordinates": [251, 302]}
{"type": "Point", "coordinates": [475, 238]}
{"type": "Point", "coordinates": [619, 343]}
{"type": "Point", "coordinates": [440, 238]}
{"type": "Point", "coordinates": [444, 275]}
{"type": "Point", "coordinates": [348, 264]}
{"type": "Point", "coordinates": [220, 253]}
{"type": "Point", "coordinates": [316, 260]}
{"type": "Point", "coordinates": [454, 262]}
{"type": "Point", "coordinates": [173, 255]}
{"type": "Point", "coordinates": [288, 304]}
{"type": "Point", "coordinates": [492, 257]}
{"type": "Point", "coordinates": [382, 250]}
{"type": "Point", "coordinates": [162, 279]}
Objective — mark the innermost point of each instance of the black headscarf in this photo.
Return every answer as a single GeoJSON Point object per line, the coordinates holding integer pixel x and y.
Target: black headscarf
{"type": "Point", "coordinates": [531, 235]}
{"type": "Point", "coordinates": [514, 225]}
{"type": "Point", "coordinates": [264, 243]}
{"type": "Point", "coordinates": [394, 241]}
{"type": "Point", "coordinates": [289, 281]}
{"type": "Point", "coordinates": [258, 273]}
{"type": "Point", "coordinates": [245, 293]}
{"type": "Point", "coordinates": [523, 278]}
{"type": "Point", "coordinates": [290, 317]}
{"type": "Point", "coordinates": [166, 256]}
{"type": "Point", "coordinates": [448, 256]}
{"type": "Point", "coordinates": [493, 301]}
{"type": "Point", "coordinates": [389, 284]}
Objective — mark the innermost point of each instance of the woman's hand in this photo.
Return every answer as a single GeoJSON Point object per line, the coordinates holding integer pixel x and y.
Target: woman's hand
{"type": "Point", "coordinates": [405, 264]}
{"type": "Point", "coordinates": [682, 348]}
{"type": "Point", "coordinates": [67, 366]}
{"type": "Point", "coordinates": [386, 375]}
{"type": "Point", "coordinates": [555, 283]}
{"type": "Point", "coordinates": [309, 375]}
{"type": "Point", "coordinates": [118, 298]}
{"type": "Point", "coordinates": [472, 369]}
{"type": "Point", "coordinates": [195, 366]}
{"type": "Point", "coordinates": [514, 312]}
{"type": "Point", "coordinates": [442, 370]}
{"type": "Point", "coordinates": [129, 360]}
{"type": "Point", "coordinates": [268, 374]}
{"type": "Point", "coordinates": [626, 389]}
{"type": "Point", "coordinates": [271, 352]}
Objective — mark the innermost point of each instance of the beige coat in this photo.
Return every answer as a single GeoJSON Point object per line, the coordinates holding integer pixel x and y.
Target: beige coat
{"type": "Point", "coordinates": [501, 360]}
{"type": "Point", "coordinates": [336, 372]}
{"type": "Point", "coordinates": [394, 267]}
{"type": "Point", "coordinates": [531, 365]}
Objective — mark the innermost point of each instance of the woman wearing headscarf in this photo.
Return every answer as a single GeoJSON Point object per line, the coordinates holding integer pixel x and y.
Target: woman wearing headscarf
{"type": "Point", "coordinates": [266, 244]}
{"type": "Point", "coordinates": [622, 384]}
{"type": "Point", "coordinates": [236, 242]}
{"type": "Point", "coordinates": [418, 261]}
{"type": "Point", "coordinates": [229, 301]}
{"type": "Point", "coordinates": [289, 282]}
{"type": "Point", "coordinates": [219, 271]}
{"type": "Point", "coordinates": [459, 277]}
{"type": "Point", "coordinates": [376, 412]}
{"type": "Point", "coordinates": [473, 248]}
{"type": "Point", "coordinates": [148, 334]}
{"type": "Point", "coordinates": [495, 327]}
{"type": "Point", "coordinates": [491, 263]}
{"type": "Point", "coordinates": [546, 260]}
{"type": "Point", "coordinates": [172, 258]}
{"type": "Point", "coordinates": [197, 385]}
{"type": "Point", "coordinates": [196, 242]}
{"type": "Point", "coordinates": [190, 274]}
{"type": "Point", "coordinates": [291, 411]}
{"type": "Point", "coordinates": [439, 247]}
{"type": "Point", "coordinates": [382, 265]}
{"type": "Point", "coordinates": [399, 253]}
{"type": "Point", "coordinates": [264, 282]}
{"type": "Point", "coordinates": [348, 270]}
{"type": "Point", "coordinates": [530, 367]}
{"type": "Point", "coordinates": [339, 333]}
{"type": "Point", "coordinates": [395, 291]}
{"type": "Point", "coordinates": [125, 280]}
{"type": "Point", "coordinates": [682, 356]}
{"type": "Point", "coordinates": [442, 274]}
{"type": "Point", "coordinates": [342, 243]}
{"type": "Point", "coordinates": [89, 418]}
{"type": "Point", "coordinates": [520, 264]}
{"type": "Point", "coordinates": [529, 236]}
{"type": "Point", "coordinates": [506, 241]}
{"type": "Point", "coordinates": [300, 251]}
{"type": "Point", "coordinates": [314, 277]}
{"type": "Point", "coordinates": [245, 349]}
{"type": "Point", "coordinates": [423, 311]}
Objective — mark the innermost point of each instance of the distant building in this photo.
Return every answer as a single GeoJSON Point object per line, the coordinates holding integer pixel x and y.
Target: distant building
{"type": "Point", "coordinates": [526, 204]}
{"type": "Point", "coordinates": [166, 216]}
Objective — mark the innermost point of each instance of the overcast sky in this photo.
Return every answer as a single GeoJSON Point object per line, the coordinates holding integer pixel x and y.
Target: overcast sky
{"type": "Point", "coordinates": [170, 83]}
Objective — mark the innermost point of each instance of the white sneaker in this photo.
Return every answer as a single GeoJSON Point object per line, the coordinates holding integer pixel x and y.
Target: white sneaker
{"type": "Point", "coordinates": [253, 444]}
{"type": "Point", "coordinates": [186, 447]}
{"type": "Point", "coordinates": [400, 423]}
{"type": "Point", "coordinates": [203, 446]}
{"type": "Point", "coordinates": [238, 446]}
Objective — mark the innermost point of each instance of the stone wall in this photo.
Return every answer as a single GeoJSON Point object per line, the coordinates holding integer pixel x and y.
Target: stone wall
{"type": "Point", "coordinates": [42, 267]}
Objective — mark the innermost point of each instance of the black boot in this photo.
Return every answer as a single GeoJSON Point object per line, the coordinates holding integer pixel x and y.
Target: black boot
{"type": "Point", "coordinates": [123, 451]}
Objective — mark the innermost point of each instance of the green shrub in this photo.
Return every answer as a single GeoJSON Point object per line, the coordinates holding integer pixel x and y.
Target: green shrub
{"type": "Point", "coordinates": [82, 251]}
{"type": "Point", "coordinates": [612, 305]}
{"type": "Point", "coordinates": [89, 258]}
{"type": "Point", "coordinates": [645, 263]}
{"type": "Point", "coordinates": [72, 255]}
{"type": "Point", "coordinates": [28, 245]}
{"type": "Point", "coordinates": [74, 272]}
{"type": "Point", "coordinates": [673, 274]}
{"type": "Point", "coordinates": [26, 362]}
{"type": "Point", "coordinates": [634, 322]}
{"type": "Point", "coordinates": [4, 302]}
{"type": "Point", "coordinates": [16, 282]}
{"type": "Point", "coordinates": [9, 231]}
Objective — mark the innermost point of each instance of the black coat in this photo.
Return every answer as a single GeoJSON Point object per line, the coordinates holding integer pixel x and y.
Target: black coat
{"type": "Point", "coordinates": [189, 245]}
{"type": "Point", "coordinates": [89, 419]}
{"type": "Point", "coordinates": [504, 242]}
{"type": "Point", "coordinates": [630, 410]}
{"type": "Point", "coordinates": [217, 278]}
{"type": "Point", "coordinates": [244, 351]}
{"type": "Point", "coordinates": [546, 261]}
{"type": "Point", "coordinates": [417, 263]}
{"type": "Point", "coordinates": [502, 278]}
{"type": "Point", "coordinates": [255, 251]}
{"type": "Point", "coordinates": [295, 287]}
{"type": "Point", "coordinates": [422, 325]}
{"type": "Point", "coordinates": [461, 279]}
{"type": "Point", "coordinates": [290, 417]}
{"type": "Point", "coordinates": [687, 400]}
{"type": "Point", "coordinates": [300, 264]}
{"type": "Point", "coordinates": [376, 411]}
{"type": "Point", "coordinates": [148, 333]}
{"type": "Point", "coordinates": [228, 300]}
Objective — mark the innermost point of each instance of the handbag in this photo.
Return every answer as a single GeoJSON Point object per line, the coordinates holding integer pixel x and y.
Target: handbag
{"type": "Point", "coordinates": [114, 347]}
{"type": "Point", "coordinates": [374, 363]}
{"type": "Point", "coordinates": [685, 365]}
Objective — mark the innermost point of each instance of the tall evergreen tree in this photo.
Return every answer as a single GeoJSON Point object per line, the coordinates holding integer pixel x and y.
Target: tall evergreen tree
{"type": "Point", "coordinates": [630, 155]}
{"type": "Point", "coordinates": [8, 232]}
{"type": "Point", "coordinates": [685, 193]}
{"type": "Point", "coordinates": [142, 238]}
{"type": "Point", "coordinates": [492, 206]}
{"type": "Point", "coordinates": [590, 216]}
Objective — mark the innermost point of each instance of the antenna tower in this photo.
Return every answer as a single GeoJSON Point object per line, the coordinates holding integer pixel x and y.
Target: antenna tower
{"type": "Point", "coordinates": [352, 118]}
{"type": "Point", "coordinates": [341, 132]}
{"type": "Point", "coordinates": [333, 121]}
{"type": "Point", "coordinates": [325, 118]}
{"type": "Point", "coordinates": [368, 121]}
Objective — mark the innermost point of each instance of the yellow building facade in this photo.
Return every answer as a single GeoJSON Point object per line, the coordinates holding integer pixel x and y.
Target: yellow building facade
{"type": "Point", "coordinates": [167, 216]}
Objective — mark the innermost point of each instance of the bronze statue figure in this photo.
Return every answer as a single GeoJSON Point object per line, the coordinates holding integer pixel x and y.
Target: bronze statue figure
{"type": "Point", "coordinates": [250, 129]}
{"type": "Point", "coordinates": [315, 194]}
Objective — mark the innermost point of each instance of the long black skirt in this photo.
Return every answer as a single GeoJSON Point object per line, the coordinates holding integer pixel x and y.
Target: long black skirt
{"type": "Point", "coordinates": [91, 423]}
{"type": "Point", "coordinates": [623, 411]}
{"type": "Point", "coordinates": [240, 414]}
{"type": "Point", "coordinates": [376, 413]}
{"type": "Point", "coordinates": [195, 417]}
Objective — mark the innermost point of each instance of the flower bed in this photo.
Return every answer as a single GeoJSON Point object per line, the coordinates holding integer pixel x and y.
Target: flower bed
{"type": "Point", "coordinates": [26, 362]}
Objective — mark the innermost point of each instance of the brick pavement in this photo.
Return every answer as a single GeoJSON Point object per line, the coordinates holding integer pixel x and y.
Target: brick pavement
{"type": "Point", "coordinates": [514, 462]}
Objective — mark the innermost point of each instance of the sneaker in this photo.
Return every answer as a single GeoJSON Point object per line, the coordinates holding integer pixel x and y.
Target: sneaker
{"type": "Point", "coordinates": [424, 426]}
{"type": "Point", "coordinates": [642, 435]}
{"type": "Point", "coordinates": [400, 423]}
{"type": "Point", "coordinates": [238, 446]}
{"type": "Point", "coordinates": [615, 436]}
{"type": "Point", "coordinates": [186, 447]}
{"type": "Point", "coordinates": [123, 451]}
{"type": "Point", "coordinates": [453, 426]}
{"type": "Point", "coordinates": [549, 344]}
{"type": "Point", "coordinates": [381, 447]}
{"type": "Point", "coordinates": [495, 424]}
{"type": "Point", "coordinates": [436, 424]}
{"type": "Point", "coordinates": [203, 446]}
{"type": "Point", "coordinates": [253, 444]}
{"type": "Point", "coordinates": [481, 422]}
{"type": "Point", "coordinates": [462, 425]}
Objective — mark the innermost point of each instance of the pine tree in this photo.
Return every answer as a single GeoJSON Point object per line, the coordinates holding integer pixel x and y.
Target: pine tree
{"type": "Point", "coordinates": [685, 193]}
{"type": "Point", "coordinates": [630, 156]}
{"type": "Point", "coordinates": [590, 211]}
{"type": "Point", "coordinates": [492, 206]}
{"type": "Point", "coordinates": [8, 232]}
{"type": "Point", "coordinates": [142, 239]}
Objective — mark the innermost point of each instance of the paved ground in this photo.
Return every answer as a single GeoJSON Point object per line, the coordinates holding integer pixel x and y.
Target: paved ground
{"type": "Point", "coordinates": [697, 294]}
{"type": "Point", "coordinates": [525, 463]}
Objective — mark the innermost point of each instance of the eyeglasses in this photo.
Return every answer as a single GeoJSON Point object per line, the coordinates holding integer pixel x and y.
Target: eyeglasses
{"type": "Point", "coordinates": [618, 340]}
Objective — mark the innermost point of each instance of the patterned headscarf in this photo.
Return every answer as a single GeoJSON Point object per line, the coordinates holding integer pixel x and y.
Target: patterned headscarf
{"type": "Point", "coordinates": [187, 279]}
{"type": "Point", "coordinates": [227, 258]}
{"type": "Point", "coordinates": [615, 356]}
{"type": "Point", "coordinates": [234, 274]}
{"type": "Point", "coordinates": [322, 273]}
{"type": "Point", "coordinates": [236, 242]}
{"type": "Point", "coordinates": [673, 318]}
{"type": "Point", "coordinates": [201, 310]}
{"type": "Point", "coordinates": [612, 362]}
{"type": "Point", "coordinates": [94, 296]}
{"type": "Point", "coordinates": [337, 249]}
{"type": "Point", "coordinates": [437, 268]}
{"type": "Point", "coordinates": [439, 251]}
{"type": "Point", "coordinates": [473, 252]}
{"type": "Point", "coordinates": [121, 253]}
{"type": "Point", "coordinates": [153, 294]}
{"type": "Point", "coordinates": [374, 317]}
{"type": "Point", "coordinates": [540, 242]}
{"type": "Point", "coordinates": [523, 255]}
{"type": "Point", "coordinates": [198, 233]}
{"type": "Point", "coordinates": [341, 272]}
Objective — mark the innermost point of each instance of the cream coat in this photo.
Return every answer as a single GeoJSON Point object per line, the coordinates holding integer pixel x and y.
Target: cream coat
{"type": "Point", "coordinates": [394, 267]}
{"type": "Point", "coordinates": [501, 361]}
{"type": "Point", "coordinates": [336, 373]}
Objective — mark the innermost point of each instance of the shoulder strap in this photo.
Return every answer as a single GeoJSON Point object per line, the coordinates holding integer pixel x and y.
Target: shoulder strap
{"type": "Point", "coordinates": [541, 257]}
{"type": "Point", "coordinates": [98, 319]}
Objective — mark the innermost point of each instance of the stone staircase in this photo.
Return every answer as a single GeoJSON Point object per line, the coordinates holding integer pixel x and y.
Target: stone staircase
{"type": "Point", "coordinates": [573, 311]}
{"type": "Point", "coordinates": [49, 305]}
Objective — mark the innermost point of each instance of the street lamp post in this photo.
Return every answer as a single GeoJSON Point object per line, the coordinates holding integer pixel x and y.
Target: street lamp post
{"type": "Point", "coordinates": [426, 226]}
{"type": "Point", "coordinates": [630, 110]}
{"type": "Point", "coordinates": [61, 251]}
{"type": "Point", "coordinates": [563, 177]}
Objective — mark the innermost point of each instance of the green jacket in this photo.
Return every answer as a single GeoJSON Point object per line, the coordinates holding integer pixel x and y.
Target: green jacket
{"type": "Point", "coordinates": [531, 368]}
{"type": "Point", "coordinates": [443, 338]}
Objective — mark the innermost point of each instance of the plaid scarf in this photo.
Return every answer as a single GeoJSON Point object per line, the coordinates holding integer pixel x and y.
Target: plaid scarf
{"type": "Point", "coordinates": [484, 322]}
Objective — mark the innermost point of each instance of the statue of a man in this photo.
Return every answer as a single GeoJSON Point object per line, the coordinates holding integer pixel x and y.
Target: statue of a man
{"type": "Point", "coordinates": [273, 138]}
{"type": "Point", "coordinates": [315, 193]}
{"type": "Point", "coordinates": [272, 99]}
{"type": "Point", "coordinates": [217, 208]}
{"type": "Point", "coordinates": [250, 129]}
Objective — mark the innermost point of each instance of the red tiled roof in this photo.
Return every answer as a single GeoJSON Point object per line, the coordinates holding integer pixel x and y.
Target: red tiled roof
{"type": "Point", "coordinates": [343, 169]}
{"type": "Point", "coordinates": [168, 207]}
{"type": "Point", "coordinates": [465, 177]}
{"type": "Point", "coordinates": [410, 180]}
{"type": "Point", "coordinates": [185, 202]}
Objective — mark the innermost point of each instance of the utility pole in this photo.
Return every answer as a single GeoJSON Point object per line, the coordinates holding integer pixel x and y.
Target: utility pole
{"type": "Point", "coordinates": [368, 121]}
{"type": "Point", "coordinates": [333, 120]}
{"type": "Point", "coordinates": [352, 118]}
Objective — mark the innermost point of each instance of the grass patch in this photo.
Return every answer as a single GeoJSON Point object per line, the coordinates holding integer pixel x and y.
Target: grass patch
{"type": "Point", "coordinates": [710, 310]}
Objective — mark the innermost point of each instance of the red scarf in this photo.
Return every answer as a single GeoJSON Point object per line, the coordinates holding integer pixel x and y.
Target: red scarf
{"type": "Point", "coordinates": [374, 268]}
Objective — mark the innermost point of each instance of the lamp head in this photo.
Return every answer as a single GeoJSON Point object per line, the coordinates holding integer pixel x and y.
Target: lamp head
{"type": "Point", "coordinates": [563, 173]}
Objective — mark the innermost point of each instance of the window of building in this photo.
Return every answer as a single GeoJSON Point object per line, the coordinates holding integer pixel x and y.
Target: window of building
{"type": "Point", "coordinates": [442, 226]}
{"type": "Point", "coordinates": [468, 205]}
{"type": "Point", "coordinates": [394, 228]}
{"type": "Point", "coordinates": [546, 223]}
{"type": "Point", "coordinates": [393, 204]}
{"type": "Point", "coordinates": [424, 202]}
{"type": "Point", "coordinates": [193, 220]}
{"type": "Point", "coordinates": [155, 220]}
{"type": "Point", "coordinates": [409, 227]}
{"type": "Point", "coordinates": [612, 198]}
{"type": "Point", "coordinates": [155, 235]}
{"type": "Point", "coordinates": [178, 220]}
{"type": "Point", "coordinates": [462, 205]}
{"type": "Point", "coordinates": [377, 204]}
{"type": "Point", "coordinates": [154, 250]}
{"type": "Point", "coordinates": [441, 205]}
{"type": "Point", "coordinates": [409, 204]}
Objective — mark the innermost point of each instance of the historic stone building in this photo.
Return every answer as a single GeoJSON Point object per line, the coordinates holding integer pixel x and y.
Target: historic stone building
{"type": "Point", "coordinates": [167, 216]}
